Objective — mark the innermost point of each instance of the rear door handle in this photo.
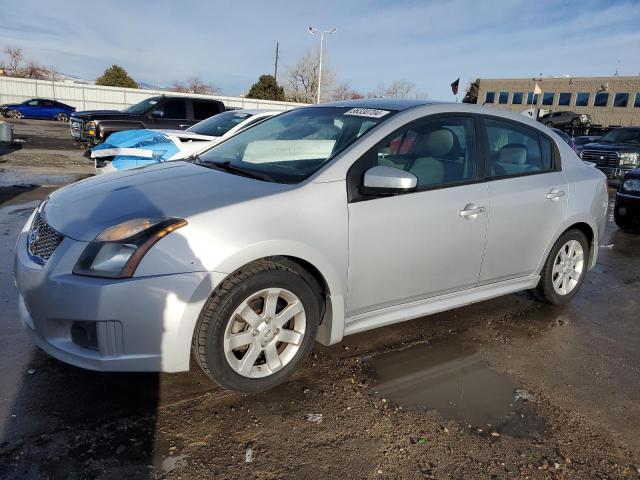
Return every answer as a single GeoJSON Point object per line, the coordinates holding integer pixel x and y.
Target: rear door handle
{"type": "Point", "coordinates": [471, 211]}
{"type": "Point", "coordinates": [554, 195]}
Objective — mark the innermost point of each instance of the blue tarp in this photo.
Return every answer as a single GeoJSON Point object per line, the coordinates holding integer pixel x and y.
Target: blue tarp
{"type": "Point", "coordinates": [153, 147]}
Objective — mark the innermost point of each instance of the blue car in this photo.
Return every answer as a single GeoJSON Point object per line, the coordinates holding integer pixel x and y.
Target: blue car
{"type": "Point", "coordinates": [38, 108]}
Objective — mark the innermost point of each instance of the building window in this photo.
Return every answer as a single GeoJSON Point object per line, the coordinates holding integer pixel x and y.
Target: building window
{"type": "Point", "coordinates": [582, 99]}
{"type": "Point", "coordinates": [636, 103]}
{"type": "Point", "coordinates": [564, 99]}
{"type": "Point", "coordinates": [547, 98]}
{"type": "Point", "coordinates": [489, 97]}
{"type": "Point", "coordinates": [517, 98]}
{"type": "Point", "coordinates": [621, 100]}
{"type": "Point", "coordinates": [503, 98]}
{"type": "Point", "coordinates": [532, 98]}
{"type": "Point", "coordinates": [601, 100]}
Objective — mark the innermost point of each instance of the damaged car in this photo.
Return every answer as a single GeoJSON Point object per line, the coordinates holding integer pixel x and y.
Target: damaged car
{"type": "Point", "coordinates": [137, 148]}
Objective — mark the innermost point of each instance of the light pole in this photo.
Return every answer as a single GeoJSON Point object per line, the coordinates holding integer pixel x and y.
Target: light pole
{"type": "Point", "coordinates": [313, 31]}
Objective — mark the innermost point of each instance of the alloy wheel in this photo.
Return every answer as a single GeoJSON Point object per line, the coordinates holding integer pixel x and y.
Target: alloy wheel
{"type": "Point", "coordinates": [264, 333]}
{"type": "Point", "coordinates": [568, 267]}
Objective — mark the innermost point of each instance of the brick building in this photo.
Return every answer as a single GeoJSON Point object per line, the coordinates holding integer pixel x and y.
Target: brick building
{"type": "Point", "coordinates": [611, 101]}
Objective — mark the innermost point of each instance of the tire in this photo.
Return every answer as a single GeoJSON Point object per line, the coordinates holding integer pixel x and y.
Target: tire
{"type": "Point", "coordinates": [14, 114]}
{"type": "Point", "coordinates": [62, 117]}
{"type": "Point", "coordinates": [546, 291]}
{"type": "Point", "coordinates": [249, 367]}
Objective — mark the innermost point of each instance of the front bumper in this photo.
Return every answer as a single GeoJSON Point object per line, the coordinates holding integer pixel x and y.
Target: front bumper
{"type": "Point", "coordinates": [139, 324]}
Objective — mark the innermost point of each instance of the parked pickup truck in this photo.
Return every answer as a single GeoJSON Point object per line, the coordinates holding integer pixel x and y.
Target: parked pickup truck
{"type": "Point", "coordinates": [164, 112]}
{"type": "Point", "coordinates": [615, 153]}
{"type": "Point", "coordinates": [565, 119]}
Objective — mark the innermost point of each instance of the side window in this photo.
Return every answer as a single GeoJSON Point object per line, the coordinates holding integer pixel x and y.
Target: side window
{"type": "Point", "coordinates": [33, 103]}
{"type": "Point", "coordinates": [202, 110]}
{"type": "Point", "coordinates": [516, 150]}
{"type": "Point", "coordinates": [48, 103]}
{"type": "Point", "coordinates": [174, 109]}
{"type": "Point", "coordinates": [438, 152]}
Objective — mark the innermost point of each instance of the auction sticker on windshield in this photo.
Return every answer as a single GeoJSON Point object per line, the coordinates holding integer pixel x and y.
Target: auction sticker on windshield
{"type": "Point", "coordinates": [367, 112]}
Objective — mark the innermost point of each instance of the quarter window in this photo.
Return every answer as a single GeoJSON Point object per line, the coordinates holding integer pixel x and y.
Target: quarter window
{"type": "Point", "coordinates": [547, 98]}
{"type": "Point", "coordinates": [601, 100]}
{"type": "Point", "coordinates": [564, 99]}
{"type": "Point", "coordinates": [438, 152]}
{"type": "Point", "coordinates": [582, 99]}
{"type": "Point", "coordinates": [489, 97]}
{"type": "Point", "coordinates": [621, 100]}
{"type": "Point", "coordinates": [517, 98]}
{"type": "Point", "coordinates": [503, 98]}
{"type": "Point", "coordinates": [516, 150]}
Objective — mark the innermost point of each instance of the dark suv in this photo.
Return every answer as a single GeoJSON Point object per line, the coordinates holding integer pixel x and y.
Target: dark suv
{"type": "Point", "coordinates": [615, 153]}
{"type": "Point", "coordinates": [627, 209]}
{"type": "Point", "coordinates": [175, 113]}
{"type": "Point", "coordinates": [566, 119]}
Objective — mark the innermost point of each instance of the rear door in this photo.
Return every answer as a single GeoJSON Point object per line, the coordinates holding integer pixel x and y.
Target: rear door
{"type": "Point", "coordinates": [173, 115]}
{"type": "Point", "coordinates": [203, 109]}
{"type": "Point", "coordinates": [48, 109]}
{"type": "Point", "coordinates": [424, 243]}
{"type": "Point", "coordinates": [528, 198]}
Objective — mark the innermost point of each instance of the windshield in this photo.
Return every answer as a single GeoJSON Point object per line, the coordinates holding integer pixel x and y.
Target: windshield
{"type": "Point", "coordinates": [142, 107]}
{"type": "Point", "coordinates": [292, 146]}
{"type": "Point", "coordinates": [219, 124]}
{"type": "Point", "coordinates": [622, 135]}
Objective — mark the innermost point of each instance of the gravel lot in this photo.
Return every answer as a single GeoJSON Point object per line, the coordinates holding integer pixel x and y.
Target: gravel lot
{"type": "Point", "coordinates": [504, 389]}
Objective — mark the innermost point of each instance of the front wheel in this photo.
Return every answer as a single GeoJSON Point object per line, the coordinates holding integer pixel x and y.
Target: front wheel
{"type": "Point", "coordinates": [564, 271]}
{"type": "Point", "coordinates": [257, 328]}
{"type": "Point", "coordinates": [14, 114]}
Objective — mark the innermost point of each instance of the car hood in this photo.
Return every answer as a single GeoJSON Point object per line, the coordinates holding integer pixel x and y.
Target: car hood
{"type": "Point", "coordinates": [611, 147]}
{"type": "Point", "coordinates": [93, 114]}
{"type": "Point", "coordinates": [10, 105]}
{"type": "Point", "coordinates": [172, 189]}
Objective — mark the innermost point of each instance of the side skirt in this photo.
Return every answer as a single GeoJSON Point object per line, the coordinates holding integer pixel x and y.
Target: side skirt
{"type": "Point", "coordinates": [419, 308]}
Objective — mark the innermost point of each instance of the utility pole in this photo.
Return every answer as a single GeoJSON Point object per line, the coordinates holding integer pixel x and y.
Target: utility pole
{"type": "Point", "coordinates": [313, 31]}
{"type": "Point", "coordinates": [275, 70]}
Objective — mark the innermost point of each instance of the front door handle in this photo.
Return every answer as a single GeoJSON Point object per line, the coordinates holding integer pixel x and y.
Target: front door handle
{"type": "Point", "coordinates": [471, 211]}
{"type": "Point", "coordinates": [554, 195]}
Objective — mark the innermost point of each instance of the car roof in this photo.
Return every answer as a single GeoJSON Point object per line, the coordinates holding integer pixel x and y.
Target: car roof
{"type": "Point", "coordinates": [381, 103]}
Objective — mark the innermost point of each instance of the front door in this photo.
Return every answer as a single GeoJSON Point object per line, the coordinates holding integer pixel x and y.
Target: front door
{"type": "Point", "coordinates": [528, 200]}
{"type": "Point", "coordinates": [424, 243]}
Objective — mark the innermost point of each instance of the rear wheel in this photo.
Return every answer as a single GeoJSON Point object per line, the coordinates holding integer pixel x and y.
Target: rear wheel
{"type": "Point", "coordinates": [564, 271]}
{"type": "Point", "coordinates": [62, 117]}
{"type": "Point", "coordinates": [257, 328]}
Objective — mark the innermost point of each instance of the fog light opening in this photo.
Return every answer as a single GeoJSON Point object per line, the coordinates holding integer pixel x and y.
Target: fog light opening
{"type": "Point", "coordinates": [84, 334]}
{"type": "Point", "coordinates": [622, 211]}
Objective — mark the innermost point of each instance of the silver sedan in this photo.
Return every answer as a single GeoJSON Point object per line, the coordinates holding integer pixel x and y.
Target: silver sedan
{"type": "Point", "coordinates": [318, 223]}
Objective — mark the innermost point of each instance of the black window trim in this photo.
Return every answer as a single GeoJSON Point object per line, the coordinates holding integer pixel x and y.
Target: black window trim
{"type": "Point", "coordinates": [555, 151]}
{"type": "Point", "coordinates": [162, 103]}
{"type": "Point", "coordinates": [354, 181]}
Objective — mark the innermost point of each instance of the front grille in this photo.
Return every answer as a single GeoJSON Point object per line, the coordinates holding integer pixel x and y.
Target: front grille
{"type": "Point", "coordinates": [602, 158]}
{"type": "Point", "coordinates": [76, 127]}
{"type": "Point", "coordinates": [43, 240]}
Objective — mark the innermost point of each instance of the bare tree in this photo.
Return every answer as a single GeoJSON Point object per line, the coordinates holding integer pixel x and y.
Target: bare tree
{"type": "Point", "coordinates": [302, 80]}
{"type": "Point", "coordinates": [397, 89]}
{"type": "Point", "coordinates": [344, 91]}
{"type": "Point", "coordinates": [195, 85]}
{"type": "Point", "coordinates": [16, 66]}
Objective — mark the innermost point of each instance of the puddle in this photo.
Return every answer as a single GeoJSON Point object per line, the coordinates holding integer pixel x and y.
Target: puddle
{"type": "Point", "coordinates": [454, 380]}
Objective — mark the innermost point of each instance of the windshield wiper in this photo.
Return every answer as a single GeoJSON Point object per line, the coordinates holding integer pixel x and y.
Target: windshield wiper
{"type": "Point", "coordinates": [228, 167]}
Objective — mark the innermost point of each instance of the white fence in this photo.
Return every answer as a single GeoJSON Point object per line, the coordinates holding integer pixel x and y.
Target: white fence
{"type": "Point", "coordinates": [95, 97]}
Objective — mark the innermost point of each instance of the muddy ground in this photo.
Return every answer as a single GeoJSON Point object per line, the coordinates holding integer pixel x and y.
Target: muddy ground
{"type": "Point", "coordinates": [507, 388]}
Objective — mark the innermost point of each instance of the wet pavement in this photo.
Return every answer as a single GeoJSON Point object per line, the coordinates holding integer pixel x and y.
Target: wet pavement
{"type": "Point", "coordinates": [507, 388]}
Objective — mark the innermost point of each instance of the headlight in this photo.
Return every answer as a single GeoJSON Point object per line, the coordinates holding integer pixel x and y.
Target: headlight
{"type": "Point", "coordinates": [629, 158]}
{"type": "Point", "coordinates": [631, 185]}
{"type": "Point", "coordinates": [117, 251]}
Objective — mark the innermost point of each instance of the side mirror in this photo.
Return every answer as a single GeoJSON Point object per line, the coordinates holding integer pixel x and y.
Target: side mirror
{"type": "Point", "coordinates": [388, 180]}
{"type": "Point", "coordinates": [157, 114]}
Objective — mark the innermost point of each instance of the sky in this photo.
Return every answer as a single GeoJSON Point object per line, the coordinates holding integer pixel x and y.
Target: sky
{"type": "Point", "coordinates": [230, 44]}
